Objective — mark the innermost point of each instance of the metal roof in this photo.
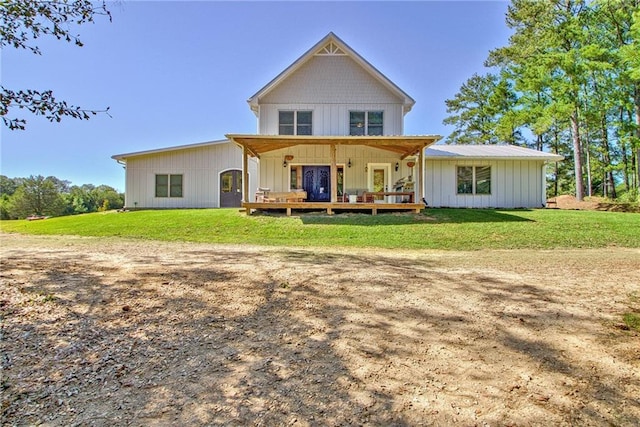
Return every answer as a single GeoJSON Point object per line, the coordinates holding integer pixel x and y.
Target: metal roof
{"type": "Point", "coordinates": [488, 152]}
{"type": "Point", "coordinates": [164, 150]}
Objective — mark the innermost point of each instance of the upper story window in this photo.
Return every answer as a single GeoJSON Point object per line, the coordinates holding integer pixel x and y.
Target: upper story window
{"type": "Point", "coordinates": [365, 123]}
{"type": "Point", "coordinates": [295, 123]}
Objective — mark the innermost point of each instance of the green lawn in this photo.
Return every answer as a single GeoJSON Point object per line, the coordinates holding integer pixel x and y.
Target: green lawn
{"type": "Point", "coordinates": [451, 229]}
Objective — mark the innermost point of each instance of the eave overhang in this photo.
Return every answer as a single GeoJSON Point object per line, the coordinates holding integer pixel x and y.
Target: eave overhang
{"type": "Point", "coordinates": [403, 146]}
{"type": "Point", "coordinates": [125, 156]}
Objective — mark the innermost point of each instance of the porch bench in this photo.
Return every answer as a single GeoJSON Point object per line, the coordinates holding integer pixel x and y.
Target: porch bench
{"type": "Point", "coordinates": [285, 196]}
{"type": "Point", "coordinates": [368, 196]}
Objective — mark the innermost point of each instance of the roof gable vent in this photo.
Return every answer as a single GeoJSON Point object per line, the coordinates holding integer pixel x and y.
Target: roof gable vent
{"type": "Point", "coordinates": [331, 49]}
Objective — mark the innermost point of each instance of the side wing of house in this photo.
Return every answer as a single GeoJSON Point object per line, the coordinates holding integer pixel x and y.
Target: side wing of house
{"type": "Point", "coordinates": [486, 177]}
{"type": "Point", "coordinates": [192, 176]}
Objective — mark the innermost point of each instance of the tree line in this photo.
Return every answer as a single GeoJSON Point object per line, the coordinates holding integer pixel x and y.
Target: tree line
{"type": "Point", "coordinates": [568, 82]}
{"type": "Point", "coordinates": [50, 196]}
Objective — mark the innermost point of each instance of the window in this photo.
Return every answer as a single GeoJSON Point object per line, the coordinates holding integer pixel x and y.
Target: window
{"type": "Point", "coordinates": [295, 123]}
{"type": "Point", "coordinates": [365, 123]}
{"type": "Point", "coordinates": [474, 179]}
{"type": "Point", "coordinates": [296, 177]}
{"type": "Point", "coordinates": [168, 185]}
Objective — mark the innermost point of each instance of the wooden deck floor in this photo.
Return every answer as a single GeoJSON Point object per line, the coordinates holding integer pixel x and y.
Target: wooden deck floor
{"type": "Point", "coordinates": [331, 207]}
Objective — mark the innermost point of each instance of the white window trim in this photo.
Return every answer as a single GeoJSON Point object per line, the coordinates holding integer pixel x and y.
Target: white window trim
{"type": "Point", "coordinates": [387, 171]}
{"type": "Point", "coordinates": [474, 180]}
{"type": "Point", "coordinates": [295, 119]}
{"type": "Point", "coordinates": [366, 120]}
{"type": "Point", "coordinates": [168, 196]}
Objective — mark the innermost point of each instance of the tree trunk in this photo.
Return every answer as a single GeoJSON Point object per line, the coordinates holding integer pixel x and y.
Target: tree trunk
{"type": "Point", "coordinates": [577, 155]}
{"type": "Point", "coordinates": [556, 169]}
{"type": "Point", "coordinates": [625, 158]}
{"type": "Point", "coordinates": [609, 181]}
{"type": "Point", "coordinates": [636, 101]}
{"type": "Point", "coordinates": [539, 143]}
{"type": "Point", "coordinates": [587, 153]}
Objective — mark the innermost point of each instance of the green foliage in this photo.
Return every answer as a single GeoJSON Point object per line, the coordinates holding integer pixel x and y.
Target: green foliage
{"type": "Point", "coordinates": [21, 197]}
{"type": "Point", "coordinates": [104, 207]}
{"type": "Point", "coordinates": [8, 186]}
{"type": "Point", "coordinates": [4, 207]}
{"type": "Point", "coordinates": [448, 229]}
{"type": "Point", "coordinates": [483, 112]}
{"type": "Point", "coordinates": [632, 320]}
{"type": "Point", "coordinates": [36, 196]}
{"type": "Point", "coordinates": [630, 196]}
{"type": "Point", "coordinates": [570, 82]}
{"type": "Point", "coordinates": [24, 21]}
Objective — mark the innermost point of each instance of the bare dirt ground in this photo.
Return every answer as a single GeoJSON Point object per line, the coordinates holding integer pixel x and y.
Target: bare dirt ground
{"type": "Point", "coordinates": [591, 204]}
{"type": "Point", "coordinates": [111, 332]}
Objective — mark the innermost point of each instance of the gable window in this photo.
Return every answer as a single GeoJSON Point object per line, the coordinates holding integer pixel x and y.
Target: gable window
{"type": "Point", "coordinates": [365, 123]}
{"type": "Point", "coordinates": [295, 122]}
{"type": "Point", "coordinates": [474, 179]}
{"type": "Point", "coordinates": [168, 185]}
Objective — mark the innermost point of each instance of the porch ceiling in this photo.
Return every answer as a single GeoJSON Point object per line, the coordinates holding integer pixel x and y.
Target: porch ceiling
{"type": "Point", "coordinates": [402, 145]}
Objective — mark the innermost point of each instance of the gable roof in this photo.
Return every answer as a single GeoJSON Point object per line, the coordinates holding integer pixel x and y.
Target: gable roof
{"type": "Point", "coordinates": [332, 45]}
{"type": "Point", "coordinates": [167, 149]}
{"type": "Point", "coordinates": [488, 152]}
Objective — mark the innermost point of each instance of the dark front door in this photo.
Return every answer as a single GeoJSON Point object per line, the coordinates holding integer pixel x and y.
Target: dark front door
{"type": "Point", "coordinates": [231, 189]}
{"type": "Point", "coordinates": [317, 183]}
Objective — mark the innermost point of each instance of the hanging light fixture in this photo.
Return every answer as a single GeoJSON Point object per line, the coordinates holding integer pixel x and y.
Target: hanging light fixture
{"type": "Point", "coordinates": [397, 166]}
{"type": "Point", "coordinates": [349, 164]}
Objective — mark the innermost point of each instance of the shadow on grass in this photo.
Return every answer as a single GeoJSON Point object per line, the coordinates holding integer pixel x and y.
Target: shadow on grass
{"type": "Point", "coordinates": [428, 216]}
{"type": "Point", "coordinates": [460, 216]}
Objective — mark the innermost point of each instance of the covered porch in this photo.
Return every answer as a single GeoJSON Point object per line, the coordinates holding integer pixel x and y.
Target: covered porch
{"type": "Point", "coordinates": [378, 162]}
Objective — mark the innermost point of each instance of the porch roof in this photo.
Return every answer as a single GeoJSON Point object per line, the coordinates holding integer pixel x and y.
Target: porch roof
{"type": "Point", "coordinates": [403, 145]}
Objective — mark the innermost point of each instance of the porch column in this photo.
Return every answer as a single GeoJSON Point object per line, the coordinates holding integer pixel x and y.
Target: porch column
{"type": "Point", "coordinates": [420, 178]}
{"type": "Point", "coordinates": [334, 174]}
{"type": "Point", "coordinates": [245, 175]}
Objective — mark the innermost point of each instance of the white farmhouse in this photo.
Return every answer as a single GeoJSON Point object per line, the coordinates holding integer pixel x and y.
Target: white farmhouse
{"type": "Point", "coordinates": [331, 136]}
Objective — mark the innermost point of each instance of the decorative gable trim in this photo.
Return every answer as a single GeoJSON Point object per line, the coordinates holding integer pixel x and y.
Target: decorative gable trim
{"type": "Point", "coordinates": [332, 45]}
{"type": "Point", "coordinates": [331, 49]}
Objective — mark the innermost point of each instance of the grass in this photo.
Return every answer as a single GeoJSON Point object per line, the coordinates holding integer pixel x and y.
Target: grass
{"type": "Point", "coordinates": [632, 320]}
{"type": "Point", "coordinates": [448, 229]}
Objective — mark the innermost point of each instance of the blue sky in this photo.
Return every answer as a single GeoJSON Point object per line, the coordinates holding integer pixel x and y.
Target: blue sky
{"type": "Point", "coordinates": [177, 73]}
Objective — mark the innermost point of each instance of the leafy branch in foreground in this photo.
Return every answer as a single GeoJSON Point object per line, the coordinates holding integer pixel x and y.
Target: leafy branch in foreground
{"type": "Point", "coordinates": [23, 21]}
{"type": "Point", "coordinates": [40, 103]}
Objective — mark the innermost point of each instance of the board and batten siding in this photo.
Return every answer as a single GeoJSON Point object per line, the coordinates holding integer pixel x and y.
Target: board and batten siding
{"type": "Point", "coordinates": [514, 184]}
{"type": "Point", "coordinates": [200, 169]}
{"type": "Point", "coordinates": [331, 119]}
{"type": "Point", "coordinates": [331, 86]}
{"type": "Point", "coordinates": [277, 178]}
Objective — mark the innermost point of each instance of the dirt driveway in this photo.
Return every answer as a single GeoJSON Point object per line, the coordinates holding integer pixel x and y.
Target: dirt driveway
{"type": "Point", "coordinates": [117, 332]}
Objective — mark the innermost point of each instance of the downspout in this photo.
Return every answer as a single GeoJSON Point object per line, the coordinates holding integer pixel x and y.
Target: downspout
{"type": "Point", "coordinates": [124, 166]}
{"type": "Point", "coordinates": [544, 184]}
